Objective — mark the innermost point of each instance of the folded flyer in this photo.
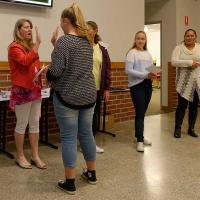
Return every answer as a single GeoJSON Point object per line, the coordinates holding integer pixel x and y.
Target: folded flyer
{"type": "Point", "coordinates": [153, 69]}
{"type": "Point", "coordinates": [40, 72]}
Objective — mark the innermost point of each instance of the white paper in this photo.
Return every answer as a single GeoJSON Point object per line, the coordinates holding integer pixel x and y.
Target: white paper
{"type": "Point", "coordinates": [39, 72]}
{"type": "Point", "coordinates": [4, 95]}
{"type": "Point", "coordinates": [153, 69]}
{"type": "Point", "coordinates": [45, 93]}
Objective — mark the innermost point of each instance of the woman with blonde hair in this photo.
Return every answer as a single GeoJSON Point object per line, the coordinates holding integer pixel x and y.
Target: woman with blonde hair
{"type": "Point", "coordinates": [138, 60]}
{"type": "Point", "coordinates": [25, 97]}
{"type": "Point", "coordinates": [74, 95]}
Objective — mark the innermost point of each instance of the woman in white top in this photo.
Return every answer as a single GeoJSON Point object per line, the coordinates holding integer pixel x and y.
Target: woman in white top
{"type": "Point", "coordinates": [186, 59]}
{"type": "Point", "coordinates": [137, 60]}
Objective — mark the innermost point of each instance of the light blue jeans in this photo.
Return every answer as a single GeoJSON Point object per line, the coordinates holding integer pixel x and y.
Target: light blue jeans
{"type": "Point", "coordinates": [75, 123]}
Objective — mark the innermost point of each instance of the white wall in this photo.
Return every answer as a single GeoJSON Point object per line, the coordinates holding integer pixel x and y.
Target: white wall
{"type": "Point", "coordinates": [164, 11]}
{"type": "Point", "coordinates": [190, 8]}
{"type": "Point", "coordinates": [118, 21]}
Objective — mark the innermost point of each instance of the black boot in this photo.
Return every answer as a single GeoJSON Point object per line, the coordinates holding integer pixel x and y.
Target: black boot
{"type": "Point", "coordinates": [192, 133]}
{"type": "Point", "coordinates": [192, 120]}
{"type": "Point", "coordinates": [178, 122]}
{"type": "Point", "coordinates": [177, 133]}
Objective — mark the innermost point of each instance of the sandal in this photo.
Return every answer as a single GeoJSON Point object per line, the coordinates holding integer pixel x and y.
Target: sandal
{"type": "Point", "coordinates": [28, 166]}
{"type": "Point", "coordinates": [38, 164]}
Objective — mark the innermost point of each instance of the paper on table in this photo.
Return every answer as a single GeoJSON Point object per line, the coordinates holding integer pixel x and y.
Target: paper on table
{"type": "Point", "coordinates": [45, 93]}
{"type": "Point", "coordinates": [4, 95]}
{"type": "Point", "coordinates": [153, 69]}
{"type": "Point", "coordinates": [39, 72]}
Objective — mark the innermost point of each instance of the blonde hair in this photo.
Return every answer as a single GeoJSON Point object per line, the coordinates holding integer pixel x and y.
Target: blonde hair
{"type": "Point", "coordinates": [75, 16]}
{"type": "Point", "coordinates": [134, 45]}
{"type": "Point", "coordinates": [27, 44]}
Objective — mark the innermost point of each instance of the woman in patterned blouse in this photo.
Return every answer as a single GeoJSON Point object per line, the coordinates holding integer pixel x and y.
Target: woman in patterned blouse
{"type": "Point", "coordinates": [186, 59]}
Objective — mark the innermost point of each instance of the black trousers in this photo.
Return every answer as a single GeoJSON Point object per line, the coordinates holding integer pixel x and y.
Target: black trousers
{"type": "Point", "coordinates": [180, 111]}
{"type": "Point", "coordinates": [141, 96]}
{"type": "Point", "coordinates": [96, 116]}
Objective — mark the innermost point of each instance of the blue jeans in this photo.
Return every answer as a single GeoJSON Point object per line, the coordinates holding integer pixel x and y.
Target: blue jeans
{"type": "Point", "coordinates": [75, 123]}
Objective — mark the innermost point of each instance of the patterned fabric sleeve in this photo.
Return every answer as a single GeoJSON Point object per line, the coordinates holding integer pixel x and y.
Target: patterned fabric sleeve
{"type": "Point", "coordinates": [60, 58]}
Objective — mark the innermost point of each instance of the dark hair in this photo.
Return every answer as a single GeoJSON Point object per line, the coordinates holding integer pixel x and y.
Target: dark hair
{"type": "Point", "coordinates": [190, 30]}
{"type": "Point", "coordinates": [94, 26]}
{"type": "Point", "coordinates": [145, 46]}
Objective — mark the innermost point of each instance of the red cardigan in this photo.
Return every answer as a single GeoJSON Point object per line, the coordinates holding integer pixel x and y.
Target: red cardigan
{"type": "Point", "coordinates": [22, 65]}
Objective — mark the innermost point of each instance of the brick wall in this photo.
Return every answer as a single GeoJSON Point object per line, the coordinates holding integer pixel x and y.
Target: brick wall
{"type": "Point", "coordinates": [172, 95]}
{"type": "Point", "coordinates": [119, 105]}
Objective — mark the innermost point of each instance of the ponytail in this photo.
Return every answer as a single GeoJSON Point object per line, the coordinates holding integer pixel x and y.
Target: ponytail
{"type": "Point", "coordinates": [74, 14]}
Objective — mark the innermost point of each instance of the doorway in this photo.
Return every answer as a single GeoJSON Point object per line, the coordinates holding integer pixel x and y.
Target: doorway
{"type": "Point", "coordinates": [153, 32]}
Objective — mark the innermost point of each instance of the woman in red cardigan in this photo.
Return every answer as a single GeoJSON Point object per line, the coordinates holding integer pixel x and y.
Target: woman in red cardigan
{"type": "Point", "coordinates": [25, 98]}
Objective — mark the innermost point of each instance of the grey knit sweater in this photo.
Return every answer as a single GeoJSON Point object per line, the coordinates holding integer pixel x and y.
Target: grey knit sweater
{"type": "Point", "coordinates": [71, 72]}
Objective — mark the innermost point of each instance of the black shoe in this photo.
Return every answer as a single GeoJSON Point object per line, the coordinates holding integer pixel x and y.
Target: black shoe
{"type": "Point", "coordinates": [192, 133]}
{"type": "Point", "coordinates": [67, 185]}
{"type": "Point", "coordinates": [90, 176]}
{"type": "Point", "coordinates": [177, 133]}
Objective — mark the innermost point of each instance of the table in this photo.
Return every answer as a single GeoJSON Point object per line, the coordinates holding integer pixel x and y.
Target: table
{"type": "Point", "coordinates": [4, 99]}
{"type": "Point", "coordinates": [112, 90]}
{"type": "Point", "coordinates": [44, 136]}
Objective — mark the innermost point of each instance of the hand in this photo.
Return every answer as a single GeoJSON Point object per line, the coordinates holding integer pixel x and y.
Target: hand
{"type": "Point", "coordinates": [38, 37]}
{"type": "Point", "coordinates": [158, 73]}
{"type": "Point", "coordinates": [106, 95]}
{"type": "Point", "coordinates": [151, 75]}
{"type": "Point", "coordinates": [195, 65]}
{"type": "Point", "coordinates": [55, 36]}
{"type": "Point", "coordinates": [38, 40]}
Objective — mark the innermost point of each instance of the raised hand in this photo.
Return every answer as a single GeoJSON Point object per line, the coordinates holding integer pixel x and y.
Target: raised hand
{"type": "Point", "coordinates": [38, 37]}
{"type": "Point", "coordinates": [55, 36]}
{"type": "Point", "coordinates": [37, 41]}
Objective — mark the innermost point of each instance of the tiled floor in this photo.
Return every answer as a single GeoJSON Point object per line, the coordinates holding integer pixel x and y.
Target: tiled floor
{"type": "Point", "coordinates": [169, 170]}
{"type": "Point", "coordinates": [154, 105]}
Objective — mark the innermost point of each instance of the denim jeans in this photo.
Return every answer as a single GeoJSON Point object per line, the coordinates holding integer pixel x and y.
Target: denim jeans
{"type": "Point", "coordinates": [75, 124]}
{"type": "Point", "coordinates": [141, 96]}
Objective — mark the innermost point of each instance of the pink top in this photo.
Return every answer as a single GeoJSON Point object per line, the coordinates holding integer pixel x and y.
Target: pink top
{"type": "Point", "coordinates": [20, 95]}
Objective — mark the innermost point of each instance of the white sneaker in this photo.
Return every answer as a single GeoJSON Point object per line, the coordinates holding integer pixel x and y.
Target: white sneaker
{"type": "Point", "coordinates": [99, 150]}
{"type": "Point", "coordinates": [140, 147]}
{"type": "Point", "coordinates": [147, 142]}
